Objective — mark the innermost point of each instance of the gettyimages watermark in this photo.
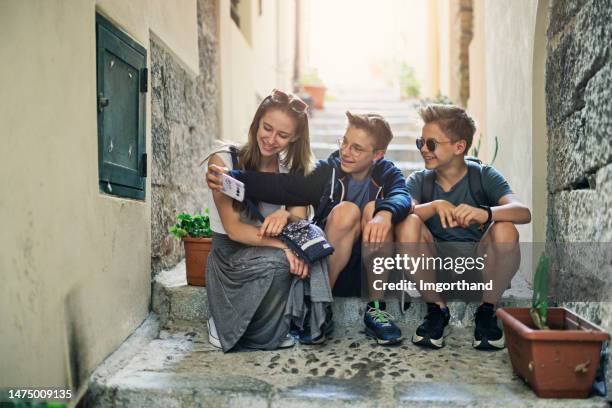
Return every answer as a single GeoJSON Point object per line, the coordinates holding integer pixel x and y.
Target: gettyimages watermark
{"type": "Point", "coordinates": [468, 271]}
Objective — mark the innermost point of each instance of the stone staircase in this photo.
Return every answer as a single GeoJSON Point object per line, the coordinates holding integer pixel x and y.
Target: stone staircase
{"type": "Point", "coordinates": [327, 125]}
{"type": "Point", "coordinates": [168, 362]}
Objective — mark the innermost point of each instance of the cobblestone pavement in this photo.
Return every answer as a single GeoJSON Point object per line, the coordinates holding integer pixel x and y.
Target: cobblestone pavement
{"type": "Point", "coordinates": [181, 367]}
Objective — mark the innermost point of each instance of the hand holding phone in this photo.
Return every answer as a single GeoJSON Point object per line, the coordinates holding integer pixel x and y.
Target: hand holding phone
{"type": "Point", "coordinates": [213, 177]}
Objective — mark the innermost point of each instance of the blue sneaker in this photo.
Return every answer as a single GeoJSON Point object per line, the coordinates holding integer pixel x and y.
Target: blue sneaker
{"type": "Point", "coordinates": [379, 325]}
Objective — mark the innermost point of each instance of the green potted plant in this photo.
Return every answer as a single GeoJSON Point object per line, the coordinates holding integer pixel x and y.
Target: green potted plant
{"type": "Point", "coordinates": [311, 83]}
{"type": "Point", "coordinates": [554, 350]}
{"type": "Point", "coordinates": [195, 232]}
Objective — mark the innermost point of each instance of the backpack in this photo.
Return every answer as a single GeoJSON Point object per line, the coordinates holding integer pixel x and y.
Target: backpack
{"type": "Point", "coordinates": [476, 188]}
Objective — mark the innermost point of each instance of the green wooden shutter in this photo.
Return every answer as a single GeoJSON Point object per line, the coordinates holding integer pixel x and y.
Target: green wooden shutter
{"type": "Point", "coordinates": [121, 86]}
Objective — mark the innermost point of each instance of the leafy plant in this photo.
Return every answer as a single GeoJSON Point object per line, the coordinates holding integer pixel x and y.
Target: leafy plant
{"type": "Point", "coordinates": [539, 303]}
{"type": "Point", "coordinates": [196, 226]}
{"type": "Point", "coordinates": [310, 77]}
{"type": "Point", "coordinates": [476, 149]}
{"type": "Point", "coordinates": [443, 99]}
{"type": "Point", "coordinates": [439, 99]}
{"type": "Point", "coordinates": [410, 85]}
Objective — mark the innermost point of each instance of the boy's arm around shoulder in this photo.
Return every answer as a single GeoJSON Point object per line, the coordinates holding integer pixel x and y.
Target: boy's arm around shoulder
{"type": "Point", "coordinates": [284, 189]}
{"type": "Point", "coordinates": [397, 199]}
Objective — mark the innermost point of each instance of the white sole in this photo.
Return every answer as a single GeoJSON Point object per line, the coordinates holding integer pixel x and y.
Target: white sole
{"type": "Point", "coordinates": [382, 342]}
{"type": "Point", "coordinates": [287, 343]}
{"type": "Point", "coordinates": [437, 343]}
{"type": "Point", "coordinates": [496, 344]}
{"type": "Point", "coordinates": [212, 339]}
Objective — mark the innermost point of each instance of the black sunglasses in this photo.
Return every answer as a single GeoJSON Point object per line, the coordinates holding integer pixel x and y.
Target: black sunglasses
{"type": "Point", "coordinates": [295, 103]}
{"type": "Point", "coordinates": [430, 143]}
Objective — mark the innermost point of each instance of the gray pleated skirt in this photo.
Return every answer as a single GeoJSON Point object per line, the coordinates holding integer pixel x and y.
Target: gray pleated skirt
{"type": "Point", "coordinates": [247, 289]}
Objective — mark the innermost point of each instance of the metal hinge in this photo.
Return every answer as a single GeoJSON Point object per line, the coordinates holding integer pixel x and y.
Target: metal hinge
{"type": "Point", "coordinates": [143, 165]}
{"type": "Point", "coordinates": [102, 102]}
{"type": "Point", "coordinates": [144, 80]}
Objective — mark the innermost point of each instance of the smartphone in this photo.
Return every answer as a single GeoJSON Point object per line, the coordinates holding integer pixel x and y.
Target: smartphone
{"type": "Point", "coordinates": [232, 187]}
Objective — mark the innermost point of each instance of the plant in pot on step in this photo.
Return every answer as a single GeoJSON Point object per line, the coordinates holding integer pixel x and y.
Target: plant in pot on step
{"type": "Point", "coordinates": [311, 83]}
{"type": "Point", "coordinates": [195, 232]}
{"type": "Point", "coordinates": [554, 350]}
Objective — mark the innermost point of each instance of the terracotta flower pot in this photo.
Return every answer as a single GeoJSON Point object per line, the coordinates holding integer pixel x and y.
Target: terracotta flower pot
{"type": "Point", "coordinates": [196, 254]}
{"type": "Point", "coordinates": [557, 363]}
{"type": "Point", "coordinates": [317, 93]}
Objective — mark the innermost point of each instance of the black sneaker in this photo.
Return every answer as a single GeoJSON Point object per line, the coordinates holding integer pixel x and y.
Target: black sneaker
{"type": "Point", "coordinates": [487, 334]}
{"type": "Point", "coordinates": [305, 336]}
{"type": "Point", "coordinates": [379, 325]}
{"type": "Point", "coordinates": [434, 328]}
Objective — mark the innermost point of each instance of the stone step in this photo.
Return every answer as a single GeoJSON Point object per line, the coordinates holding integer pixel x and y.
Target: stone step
{"type": "Point", "coordinates": [375, 103]}
{"type": "Point", "coordinates": [179, 368]}
{"type": "Point", "coordinates": [174, 300]}
{"type": "Point", "coordinates": [388, 113]}
{"type": "Point", "coordinates": [367, 95]}
{"type": "Point", "coordinates": [395, 152]}
{"type": "Point", "coordinates": [409, 167]}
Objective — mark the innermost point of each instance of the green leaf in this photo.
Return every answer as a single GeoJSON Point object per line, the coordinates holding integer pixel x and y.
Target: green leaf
{"type": "Point", "coordinates": [196, 226]}
{"type": "Point", "coordinates": [539, 303]}
{"type": "Point", "coordinates": [183, 217]}
{"type": "Point", "coordinates": [496, 150]}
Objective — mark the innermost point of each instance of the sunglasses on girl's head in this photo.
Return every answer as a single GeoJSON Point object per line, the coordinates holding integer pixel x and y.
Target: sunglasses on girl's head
{"type": "Point", "coordinates": [295, 103]}
{"type": "Point", "coordinates": [430, 143]}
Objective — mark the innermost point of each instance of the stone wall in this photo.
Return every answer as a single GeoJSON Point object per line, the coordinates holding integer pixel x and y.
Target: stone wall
{"type": "Point", "coordinates": [185, 120]}
{"type": "Point", "coordinates": [579, 121]}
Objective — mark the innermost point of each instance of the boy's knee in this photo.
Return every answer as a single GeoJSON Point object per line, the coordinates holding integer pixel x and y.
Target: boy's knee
{"type": "Point", "coordinates": [345, 215]}
{"type": "Point", "coordinates": [504, 231]}
{"type": "Point", "coordinates": [410, 229]}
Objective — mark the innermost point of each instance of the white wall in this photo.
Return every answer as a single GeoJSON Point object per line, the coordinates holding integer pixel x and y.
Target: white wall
{"type": "Point", "coordinates": [251, 69]}
{"type": "Point", "coordinates": [75, 264]}
{"type": "Point", "coordinates": [501, 87]}
{"type": "Point", "coordinates": [539, 131]}
{"type": "Point", "coordinates": [509, 36]}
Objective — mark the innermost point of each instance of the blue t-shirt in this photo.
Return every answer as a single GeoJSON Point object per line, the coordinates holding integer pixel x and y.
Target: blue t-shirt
{"type": "Point", "coordinates": [494, 184]}
{"type": "Point", "coordinates": [358, 191]}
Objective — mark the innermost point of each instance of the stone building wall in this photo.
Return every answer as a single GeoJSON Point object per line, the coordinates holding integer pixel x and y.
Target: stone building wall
{"type": "Point", "coordinates": [579, 118]}
{"type": "Point", "coordinates": [185, 120]}
{"type": "Point", "coordinates": [579, 121]}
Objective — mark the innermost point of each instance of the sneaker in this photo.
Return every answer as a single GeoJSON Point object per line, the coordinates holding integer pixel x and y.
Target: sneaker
{"type": "Point", "coordinates": [379, 325]}
{"type": "Point", "coordinates": [434, 328]}
{"type": "Point", "coordinates": [487, 334]}
{"type": "Point", "coordinates": [288, 342]}
{"type": "Point", "coordinates": [213, 336]}
{"type": "Point", "coordinates": [328, 326]}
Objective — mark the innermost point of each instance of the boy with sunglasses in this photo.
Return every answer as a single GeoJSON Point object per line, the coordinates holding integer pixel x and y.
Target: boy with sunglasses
{"type": "Point", "coordinates": [357, 195]}
{"type": "Point", "coordinates": [459, 200]}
